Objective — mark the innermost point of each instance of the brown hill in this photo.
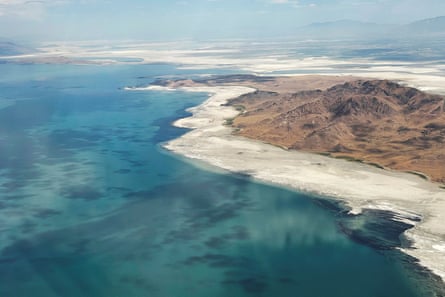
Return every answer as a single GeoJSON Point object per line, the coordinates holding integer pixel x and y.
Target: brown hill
{"type": "Point", "coordinates": [377, 121]}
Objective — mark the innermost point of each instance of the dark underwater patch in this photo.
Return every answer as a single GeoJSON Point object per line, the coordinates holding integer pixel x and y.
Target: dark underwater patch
{"type": "Point", "coordinates": [122, 171]}
{"type": "Point", "coordinates": [46, 213]}
{"type": "Point", "coordinates": [220, 212]}
{"type": "Point", "coordinates": [381, 229]}
{"type": "Point", "coordinates": [121, 152]}
{"type": "Point", "coordinates": [12, 186]}
{"type": "Point", "coordinates": [286, 280]}
{"type": "Point", "coordinates": [250, 285]}
{"type": "Point", "coordinates": [25, 114]}
{"type": "Point", "coordinates": [69, 167]}
{"type": "Point", "coordinates": [10, 260]}
{"type": "Point", "coordinates": [80, 246]}
{"type": "Point", "coordinates": [218, 261]}
{"type": "Point", "coordinates": [217, 242]}
{"type": "Point", "coordinates": [118, 189]}
{"type": "Point", "coordinates": [27, 227]}
{"type": "Point", "coordinates": [74, 139]}
{"type": "Point", "coordinates": [84, 192]}
{"type": "Point", "coordinates": [16, 197]}
{"type": "Point", "coordinates": [140, 195]}
{"type": "Point", "coordinates": [166, 129]}
{"type": "Point", "coordinates": [18, 155]}
{"type": "Point", "coordinates": [139, 282]}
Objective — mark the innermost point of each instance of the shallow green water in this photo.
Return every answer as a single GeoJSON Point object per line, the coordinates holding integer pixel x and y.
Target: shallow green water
{"type": "Point", "coordinates": [91, 205]}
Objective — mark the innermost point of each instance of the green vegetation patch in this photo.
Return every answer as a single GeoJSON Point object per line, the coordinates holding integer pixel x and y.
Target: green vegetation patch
{"type": "Point", "coordinates": [349, 158]}
{"type": "Point", "coordinates": [229, 122]}
{"type": "Point", "coordinates": [240, 108]}
{"type": "Point", "coordinates": [376, 165]}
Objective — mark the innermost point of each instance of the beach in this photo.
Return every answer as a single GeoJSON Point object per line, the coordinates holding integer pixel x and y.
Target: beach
{"type": "Point", "coordinates": [358, 185]}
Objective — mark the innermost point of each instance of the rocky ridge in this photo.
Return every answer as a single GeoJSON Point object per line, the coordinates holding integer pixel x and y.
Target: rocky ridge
{"type": "Point", "coordinates": [375, 121]}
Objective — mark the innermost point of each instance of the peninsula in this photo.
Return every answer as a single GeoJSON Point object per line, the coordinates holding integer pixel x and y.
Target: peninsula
{"type": "Point", "coordinates": [244, 115]}
{"type": "Point", "coordinates": [378, 122]}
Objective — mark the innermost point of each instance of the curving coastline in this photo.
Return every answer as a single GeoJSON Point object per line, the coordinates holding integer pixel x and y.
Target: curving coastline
{"type": "Point", "coordinates": [360, 186]}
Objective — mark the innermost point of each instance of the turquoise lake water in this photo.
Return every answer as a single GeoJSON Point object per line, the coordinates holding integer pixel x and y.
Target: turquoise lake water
{"type": "Point", "coordinates": [92, 205]}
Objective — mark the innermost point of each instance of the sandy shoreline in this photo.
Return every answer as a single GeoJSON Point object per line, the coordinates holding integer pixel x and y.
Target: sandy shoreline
{"type": "Point", "coordinates": [360, 186]}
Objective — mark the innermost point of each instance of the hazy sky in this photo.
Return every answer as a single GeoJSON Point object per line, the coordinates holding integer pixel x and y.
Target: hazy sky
{"type": "Point", "coordinates": [172, 19]}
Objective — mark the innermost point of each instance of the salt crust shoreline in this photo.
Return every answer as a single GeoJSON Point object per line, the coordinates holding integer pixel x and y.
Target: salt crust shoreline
{"type": "Point", "coordinates": [359, 185]}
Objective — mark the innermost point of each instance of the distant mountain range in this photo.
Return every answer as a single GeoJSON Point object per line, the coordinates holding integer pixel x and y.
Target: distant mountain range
{"type": "Point", "coordinates": [432, 28]}
{"type": "Point", "coordinates": [427, 26]}
{"type": "Point", "coordinates": [365, 30]}
{"type": "Point", "coordinates": [9, 48]}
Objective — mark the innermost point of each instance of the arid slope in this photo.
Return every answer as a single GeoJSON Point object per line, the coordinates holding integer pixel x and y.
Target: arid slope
{"type": "Point", "coordinates": [376, 121]}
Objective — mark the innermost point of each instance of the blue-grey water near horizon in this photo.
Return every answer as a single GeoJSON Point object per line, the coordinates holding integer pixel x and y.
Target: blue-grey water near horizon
{"type": "Point", "coordinates": [92, 205]}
